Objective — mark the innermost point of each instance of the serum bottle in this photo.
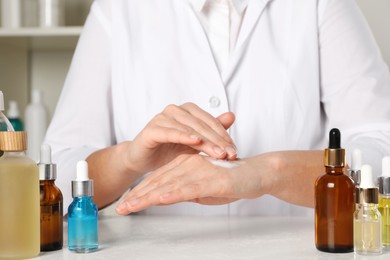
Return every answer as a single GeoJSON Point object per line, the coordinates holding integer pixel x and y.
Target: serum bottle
{"type": "Point", "coordinates": [82, 214]}
{"type": "Point", "coordinates": [51, 203]}
{"type": "Point", "coordinates": [367, 219]}
{"type": "Point", "coordinates": [334, 201]}
{"type": "Point", "coordinates": [384, 201]}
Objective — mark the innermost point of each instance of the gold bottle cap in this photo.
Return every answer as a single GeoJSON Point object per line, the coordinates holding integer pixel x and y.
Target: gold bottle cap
{"type": "Point", "coordinates": [334, 157]}
{"type": "Point", "coordinates": [13, 141]}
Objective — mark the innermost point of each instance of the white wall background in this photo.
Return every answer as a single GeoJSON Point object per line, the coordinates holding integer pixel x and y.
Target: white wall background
{"type": "Point", "coordinates": [377, 13]}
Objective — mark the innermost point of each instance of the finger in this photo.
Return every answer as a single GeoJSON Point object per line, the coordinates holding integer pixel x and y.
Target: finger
{"type": "Point", "coordinates": [209, 127]}
{"type": "Point", "coordinates": [227, 119]}
{"type": "Point", "coordinates": [166, 177]}
{"type": "Point", "coordinates": [210, 121]}
{"type": "Point", "coordinates": [149, 197]}
{"type": "Point", "coordinates": [155, 135]}
{"type": "Point", "coordinates": [190, 192]}
{"type": "Point", "coordinates": [172, 131]}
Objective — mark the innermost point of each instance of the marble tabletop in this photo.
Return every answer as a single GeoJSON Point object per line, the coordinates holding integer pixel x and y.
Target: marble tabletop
{"type": "Point", "coordinates": [183, 237]}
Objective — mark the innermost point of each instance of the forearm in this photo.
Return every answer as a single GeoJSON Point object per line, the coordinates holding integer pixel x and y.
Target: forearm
{"type": "Point", "coordinates": [288, 175]}
{"type": "Point", "coordinates": [112, 177]}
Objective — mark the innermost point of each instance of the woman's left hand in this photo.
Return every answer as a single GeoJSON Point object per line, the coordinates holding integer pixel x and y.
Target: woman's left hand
{"type": "Point", "coordinates": [194, 178]}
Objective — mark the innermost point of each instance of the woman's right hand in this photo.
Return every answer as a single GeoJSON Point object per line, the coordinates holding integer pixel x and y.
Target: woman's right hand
{"type": "Point", "coordinates": [178, 130]}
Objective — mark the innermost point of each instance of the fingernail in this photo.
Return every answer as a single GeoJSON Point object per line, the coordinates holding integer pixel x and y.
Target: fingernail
{"type": "Point", "coordinates": [121, 207]}
{"type": "Point", "coordinates": [219, 151]}
{"type": "Point", "coordinates": [231, 151]}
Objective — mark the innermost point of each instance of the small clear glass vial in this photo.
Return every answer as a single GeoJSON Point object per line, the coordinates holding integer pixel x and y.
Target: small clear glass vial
{"type": "Point", "coordinates": [367, 218]}
{"type": "Point", "coordinates": [82, 214]}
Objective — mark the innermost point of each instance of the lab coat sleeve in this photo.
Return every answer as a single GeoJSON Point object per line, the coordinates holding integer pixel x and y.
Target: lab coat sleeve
{"type": "Point", "coordinates": [82, 122]}
{"type": "Point", "coordinates": [355, 82]}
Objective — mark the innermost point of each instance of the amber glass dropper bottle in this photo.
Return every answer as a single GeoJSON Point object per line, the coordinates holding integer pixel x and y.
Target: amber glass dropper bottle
{"type": "Point", "coordinates": [334, 201]}
{"type": "Point", "coordinates": [51, 203]}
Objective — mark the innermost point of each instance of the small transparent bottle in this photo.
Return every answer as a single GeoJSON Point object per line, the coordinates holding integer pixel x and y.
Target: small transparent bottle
{"type": "Point", "coordinates": [384, 201]}
{"type": "Point", "coordinates": [82, 214]}
{"type": "Point", "coordinates": [367, 218]}
{"type": "Point", "coordinates": [51, 203]}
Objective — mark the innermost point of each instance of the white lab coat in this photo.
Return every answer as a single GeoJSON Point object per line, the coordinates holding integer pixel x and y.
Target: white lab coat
{"type": "Point", "coordinates": [298, 69]}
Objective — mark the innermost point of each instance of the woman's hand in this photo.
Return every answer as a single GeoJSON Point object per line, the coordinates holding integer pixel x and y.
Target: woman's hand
{"type": "Point", "coordinates": [287, 175]}
{"type": "Point", "coordinates": [195, 178]}
{"type": "Point", "coordinates": [178, 130]}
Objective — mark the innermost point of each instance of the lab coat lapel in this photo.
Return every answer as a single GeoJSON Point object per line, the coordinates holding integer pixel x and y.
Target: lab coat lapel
{"type": "Point", "coordinates": [254, 10]}
{"type": "Point", "coordinates": [210, 65]}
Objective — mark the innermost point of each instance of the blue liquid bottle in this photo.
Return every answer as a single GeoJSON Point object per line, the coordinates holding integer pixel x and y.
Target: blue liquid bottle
{"type": "Point", "coordinates": [82, 214]}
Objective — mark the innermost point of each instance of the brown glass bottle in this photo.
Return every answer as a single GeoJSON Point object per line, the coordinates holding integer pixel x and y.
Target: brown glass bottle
{"type": "Point", "coordinates": [334, 198]}
{"type": "Point", "coordinates": [51, 216]}
{"type": "Point", "coordinates": [51, 204]}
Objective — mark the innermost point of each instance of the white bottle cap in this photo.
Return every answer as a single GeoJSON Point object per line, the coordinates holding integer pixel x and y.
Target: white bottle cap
{"type": "Point", "coordinates": [82, 171]}
{"type": "Point", "coordinates": [47, 169]}
{"type": "Point", "coordinates": [45, 154]}
{"type": "Point", "coordinates": [1, 101]}
{"type": "Point", "coordinates": [386, 166]}
{"type": "Point", "coordinates": [13, 110]}
{"type": "Point", "coordinates": [82, 186]}
{"type": "Point", "coordinates": [356, 160]}
{"type": "Point", "coordinates": [367, 180]}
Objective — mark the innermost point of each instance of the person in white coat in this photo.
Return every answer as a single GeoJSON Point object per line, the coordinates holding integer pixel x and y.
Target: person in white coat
{"type": "Point", "coordinates": [161, 87]}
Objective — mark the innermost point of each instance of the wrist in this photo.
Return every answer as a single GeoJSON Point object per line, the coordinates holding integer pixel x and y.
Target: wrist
{"type": "Point", "coordinates": [258, 175]}
{"type": "Point", "coordinates": [269, 168]}
{"type": "Point", "coordinates": [125, 151]}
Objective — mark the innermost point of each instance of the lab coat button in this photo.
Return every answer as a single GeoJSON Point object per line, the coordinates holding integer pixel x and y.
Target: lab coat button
{"type": "Point", "coordinates": [214, 102]}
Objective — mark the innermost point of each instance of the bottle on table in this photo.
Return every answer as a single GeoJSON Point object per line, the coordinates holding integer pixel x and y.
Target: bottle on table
{"type": "Point", "coordinates": [51, 203]}
{"type": "Point", "coordinates": [334, 201]}
{"type": "Point", "coordinates": [19, 199]}
{"type": "Point", "coordinates": [384, 201]}
{"type": "Point", "coordinates": [82, 214]}
{"type": "Point", "coordinates": [367, 219]}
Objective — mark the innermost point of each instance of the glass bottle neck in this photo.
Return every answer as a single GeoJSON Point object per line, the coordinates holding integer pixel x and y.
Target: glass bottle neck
{"type": "Point", "coordinates": [368, 206]}
{"type": "Point", "coordinates": [83, 198]}
{"type": "Point", "coordinates": [47, 182]}
{"type": "Point", "coordinates": [334, 170]}
{"type": "Point", "coordinates": [14, 153]}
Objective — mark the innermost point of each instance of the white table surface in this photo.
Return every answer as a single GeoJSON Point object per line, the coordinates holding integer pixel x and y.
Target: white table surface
{"type": "Point", "coordinates": [152, 237]}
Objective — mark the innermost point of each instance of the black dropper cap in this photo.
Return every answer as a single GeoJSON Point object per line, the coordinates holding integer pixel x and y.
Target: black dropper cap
{"type": "Point", "coordinates": [334, 155]}
{"type": "Point", "coordinates": [334, 139]}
